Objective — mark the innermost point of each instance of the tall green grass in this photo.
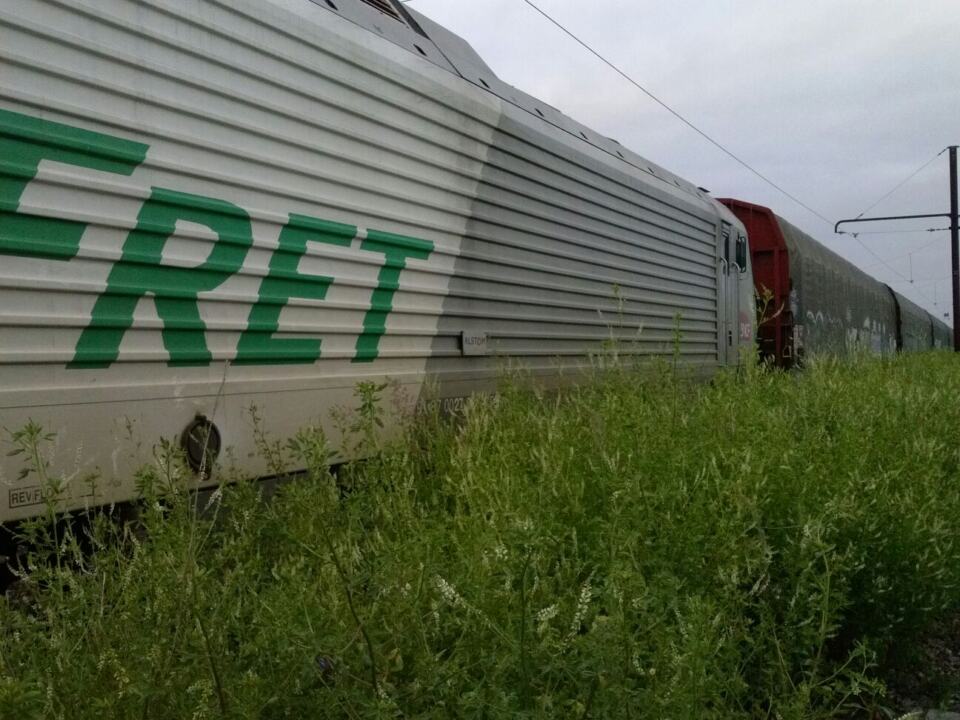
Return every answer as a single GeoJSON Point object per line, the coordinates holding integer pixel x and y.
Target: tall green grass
{"type": "Point", "coordinates": [637, 546]}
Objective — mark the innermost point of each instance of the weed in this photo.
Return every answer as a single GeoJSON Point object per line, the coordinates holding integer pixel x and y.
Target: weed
{"type": "Point", "coordinates": [634, 546]}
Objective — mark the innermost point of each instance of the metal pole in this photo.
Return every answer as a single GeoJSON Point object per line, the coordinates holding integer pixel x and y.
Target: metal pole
{"type": "Point", "coordinates": [955, 247]}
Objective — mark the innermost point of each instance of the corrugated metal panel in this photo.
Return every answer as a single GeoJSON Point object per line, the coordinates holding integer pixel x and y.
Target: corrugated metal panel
{"type": "Point", "coordinates": [641, 255]}
{"type": "Point", "coordinates": [372, 156]}
{"type": "Point", "coordinates": [258, 125]}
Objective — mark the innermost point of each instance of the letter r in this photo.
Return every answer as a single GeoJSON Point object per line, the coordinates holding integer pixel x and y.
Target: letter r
{"type": "Point", "coordinates": [139, 272]}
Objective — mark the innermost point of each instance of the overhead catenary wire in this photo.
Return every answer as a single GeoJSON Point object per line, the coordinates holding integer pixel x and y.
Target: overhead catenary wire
{"type": "Point", "coordinates": [906, 255]}
{"type": "Point", "coordinates": [891, 268]}
{"type": "Point", "coordinates": [678, 115]}
{"type": "Point", "coordinates": [928, 281]}
{"type": "Point", "coordinates": [903, 182]}
{"type": "Point", "coordinates": [881, 261]}
{"type": "Point", "coordinates": [727, 151]}
{"type": "Point", "coordinates": [886, 263]}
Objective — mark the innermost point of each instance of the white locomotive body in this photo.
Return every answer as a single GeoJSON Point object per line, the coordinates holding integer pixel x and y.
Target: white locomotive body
{"type": "Point", "coordinates": [214, 206]}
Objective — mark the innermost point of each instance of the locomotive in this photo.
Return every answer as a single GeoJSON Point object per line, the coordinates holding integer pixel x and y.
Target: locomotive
{"type": "Point", "coordinates": [223, 216]}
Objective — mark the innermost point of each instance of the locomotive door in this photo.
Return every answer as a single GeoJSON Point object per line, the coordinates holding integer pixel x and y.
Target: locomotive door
{"type": "Point", "coordinates": [745, 298]}
{"type": "Point", "coordinates": [728, 304]}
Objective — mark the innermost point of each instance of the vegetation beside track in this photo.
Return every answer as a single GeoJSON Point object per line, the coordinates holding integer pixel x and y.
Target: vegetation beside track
{"type": "Point", "coordinates": [639, 546]}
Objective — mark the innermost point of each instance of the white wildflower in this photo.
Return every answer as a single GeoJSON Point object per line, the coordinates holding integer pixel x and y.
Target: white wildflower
{"type": "Point", "coordinates": [449, 592]}
{"type": "Point", "coordinates": [583, 602]}
{"type": "Point", "coordinates": [215, 497]}
{"type": "Point", "coordinates": [78, 458]}
{"type": "Point", "coordinates": [545, 616]}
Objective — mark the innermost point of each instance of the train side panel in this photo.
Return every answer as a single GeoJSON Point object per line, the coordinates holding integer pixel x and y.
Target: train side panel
{"type": "Point", "coordinates": [819, 302]}
{"type": "Point", "coordinates": [242, 210]}
{"type": "Point", "coordinates": [916, 332]}
{"type": "Point", "coordinates": [942, 334]}
{"type": "Point", "coordinates": [839, 309]}
{"type": "Point", "coordinates": [770, 270]}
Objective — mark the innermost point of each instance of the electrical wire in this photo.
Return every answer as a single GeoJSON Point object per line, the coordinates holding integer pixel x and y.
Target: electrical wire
{"type": "Point", "coordinates": [892, 269]}
{"type": "Point", "coordinates": [901, 257]}
{"type": "Point", "coordinates": [903, 182]}
{"type": "Point", "coordinates": [881, 261]}
{"type": "Point", "coordinates": [733, 155]}
{"type": "Point", "coordinates": [677, 115]}
{"type": "Point", "coordinates": [942, 278]}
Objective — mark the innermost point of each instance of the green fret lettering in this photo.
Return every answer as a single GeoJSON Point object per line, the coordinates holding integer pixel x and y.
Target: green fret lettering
{"type": "Point", "coordinates": [396, 249]}
{"type": "Point", "coordinates": [257, 345]}
{"type": "Point", "coordinates": [24, 142]}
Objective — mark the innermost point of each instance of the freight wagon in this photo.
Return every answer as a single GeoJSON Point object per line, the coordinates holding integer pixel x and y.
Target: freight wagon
{"type": "Point", "coordinates": [813, 302]}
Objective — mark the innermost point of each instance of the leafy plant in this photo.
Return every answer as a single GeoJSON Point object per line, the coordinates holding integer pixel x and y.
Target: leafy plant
{"type": "Point", "coordinates": [636, 545]}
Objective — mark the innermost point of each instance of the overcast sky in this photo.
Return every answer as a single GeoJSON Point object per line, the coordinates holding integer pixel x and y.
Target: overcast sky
{"type": "Point", "coordinates": [835, 100]}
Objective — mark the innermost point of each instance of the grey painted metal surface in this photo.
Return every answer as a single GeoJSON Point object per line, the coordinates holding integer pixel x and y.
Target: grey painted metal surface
{"type": "Point", "coordinates": [916, 332]}
{"type": "Point", "coordinates": [406, 29]}
{"type": "Point", "coordinates": [942, 334]}
{"type": "Point", "coordinates": [838, 308]}
{"type": "Point", "coordinates": [348, 202]}
{"type": "Point", "coordinates": [564, 254]}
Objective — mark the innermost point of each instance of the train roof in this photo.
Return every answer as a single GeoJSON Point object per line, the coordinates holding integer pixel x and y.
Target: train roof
{"type": "Point", "coordinates": [809, 250]}
{"type": "Point", "coordinates": [418, 34]}
{"type": "Point", "coordinates": [802, 246]}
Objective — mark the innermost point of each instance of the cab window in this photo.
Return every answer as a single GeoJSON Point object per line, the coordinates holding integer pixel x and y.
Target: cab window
{"type": "Point", "coordinates": [742, 253]}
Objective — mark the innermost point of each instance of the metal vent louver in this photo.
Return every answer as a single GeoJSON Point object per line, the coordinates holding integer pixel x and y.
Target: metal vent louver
{"type": "Point", "coordinates": [384, 6]}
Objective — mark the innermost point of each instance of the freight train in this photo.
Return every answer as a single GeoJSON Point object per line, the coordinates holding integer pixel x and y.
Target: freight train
{"type": "Point", "coordinates": [222, 216]}
{"type": "Point", "coordinates": [816, 303]}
